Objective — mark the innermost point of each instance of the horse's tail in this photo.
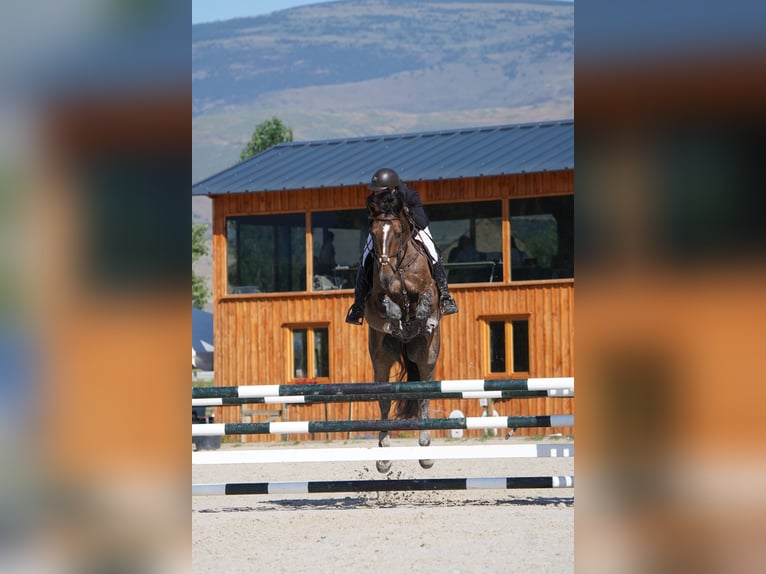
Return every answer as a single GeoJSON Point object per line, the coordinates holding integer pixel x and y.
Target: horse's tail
{"type": "Point", "coordinates": [407, 408]}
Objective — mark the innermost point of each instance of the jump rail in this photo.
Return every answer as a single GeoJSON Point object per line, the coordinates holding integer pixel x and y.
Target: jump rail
{"type": "Point", "coordinates": [221, 429]}
{"type": "Point", "coordinates": [368, 454]}
{"type": "Point", "coordinates": [446, 386]}
{"type": "Point", "coordinates": [312, 399]}
{"type": "Point", "coordinates": [347, 392]}
{"type": "Point", "coordinates": [493, 483]}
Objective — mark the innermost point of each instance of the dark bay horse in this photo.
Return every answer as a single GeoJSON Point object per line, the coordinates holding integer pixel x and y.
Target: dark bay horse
{"type": "Point", "coordinates": [402, 311]}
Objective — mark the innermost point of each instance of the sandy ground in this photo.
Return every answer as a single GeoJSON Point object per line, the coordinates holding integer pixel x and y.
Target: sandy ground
{"type": "Point", "coordinates": [437, 531]}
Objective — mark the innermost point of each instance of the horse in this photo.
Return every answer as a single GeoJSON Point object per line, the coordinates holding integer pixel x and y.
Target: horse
{"type": "Point", "coordinates": [402, 312]}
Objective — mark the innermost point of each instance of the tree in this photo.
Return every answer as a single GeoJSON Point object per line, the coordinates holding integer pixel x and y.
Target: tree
{"type": "Point", "coordinates": [267, 134]}
{"type": "Point", "coordinates": [200, 292]}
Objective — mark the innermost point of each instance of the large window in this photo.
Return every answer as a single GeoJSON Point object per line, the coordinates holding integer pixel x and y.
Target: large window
{"type": "Point", "coordinates": [542, 238]}
{"type": "Point", "coordinates": [266, 253]}
{"type": "Point", "coordinates": [337, 242]}
{"type": "Point", "coordinates": [311, 354]}
{"type": "Point", "coordinates": [470, 236]}
{"type": "Point", "coordinates": [507, 348]}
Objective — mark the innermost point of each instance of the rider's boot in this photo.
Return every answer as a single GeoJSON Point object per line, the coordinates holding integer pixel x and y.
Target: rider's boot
{"type": "Point", "coordinates": [362, 290]}
{"type": "Point", "coordinates": [446, 302]}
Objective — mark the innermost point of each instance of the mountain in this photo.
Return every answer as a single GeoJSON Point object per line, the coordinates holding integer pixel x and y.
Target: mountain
{"type": "Point", "coordinates": [362, 67]}
{"type": "Point", "coordinates": [367, 67]}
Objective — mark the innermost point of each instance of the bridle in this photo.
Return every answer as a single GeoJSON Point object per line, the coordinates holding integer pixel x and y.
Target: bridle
{"type": "Point", "coordinates": [385, 259]}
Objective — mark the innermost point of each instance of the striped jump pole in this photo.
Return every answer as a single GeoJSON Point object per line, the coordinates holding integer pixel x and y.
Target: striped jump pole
{"type": "Point", "coordinates": [314, 399]}
{"type": "Point", "coordinates": [446, 386]}
{"type": "Point", "coordinates": [333, 486]}
{"type": "Point", "coordinates": [369, 454]}
{"type": "Point", "coordinates": [221, 429]}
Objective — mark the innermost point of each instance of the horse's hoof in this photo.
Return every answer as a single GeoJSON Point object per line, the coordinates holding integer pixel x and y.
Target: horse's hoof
{"type": "Point", "coordinates": [384, 466]}
{"type": "Point", "coordinates": [426, 463]}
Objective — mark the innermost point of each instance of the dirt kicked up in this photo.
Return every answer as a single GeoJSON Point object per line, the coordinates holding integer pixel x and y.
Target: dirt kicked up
{"type": "Point", "coordinates": [452, 531]}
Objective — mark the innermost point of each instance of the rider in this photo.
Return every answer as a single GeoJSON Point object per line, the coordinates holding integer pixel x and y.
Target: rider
{"type": "Point", "coordinates": [386, 180]}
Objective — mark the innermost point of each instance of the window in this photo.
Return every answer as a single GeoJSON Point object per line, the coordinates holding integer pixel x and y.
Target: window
{"type": "Point", "coordinates": [310, 353]}
{"type": "Point", "coordinates": [266, 253]}
{"type": "Point", "coordinates": [470, 236]}
{"type": "Point", "coordinates": [507, 348]}
{"type": "Point", "coordinates": [337, 242]}
{"type": "Point", "coordinates": [542, 238]}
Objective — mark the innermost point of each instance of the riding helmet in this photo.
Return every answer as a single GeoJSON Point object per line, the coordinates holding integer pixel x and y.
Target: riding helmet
{"type": "Point", "coordinates": [384, 178]}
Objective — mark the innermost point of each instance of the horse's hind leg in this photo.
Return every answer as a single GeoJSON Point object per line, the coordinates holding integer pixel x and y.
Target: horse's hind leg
{"type": "Point", "coordinates": [425, 435]}
{"type": "Point", "coordinates": [384, 352]}
{"type": "Point", "coordinates": [424, 352]}
{"type": "Point", "coordinates": [383, 440]}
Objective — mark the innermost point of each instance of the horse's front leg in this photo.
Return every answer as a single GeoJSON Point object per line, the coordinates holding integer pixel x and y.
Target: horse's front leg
{"type": "Point", "coordinates": [393, 324]}
{"type": "Point", "coordinates": [425, 435]}
{"type": "Point", "coordinates": [427, 311]}
{"type": "Point", "coordinates": [425, 306]}
{"type": "Point", "coordinates": [383, 439]}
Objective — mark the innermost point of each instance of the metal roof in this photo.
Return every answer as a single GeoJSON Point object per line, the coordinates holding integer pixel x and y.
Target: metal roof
{"type": "Point", "coordinates": [439, 155]}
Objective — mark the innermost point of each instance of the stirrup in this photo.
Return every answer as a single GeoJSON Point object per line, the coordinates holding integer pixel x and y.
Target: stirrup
{"type": "Point", "coordinates": [355, 315]}
{"type": "Point", "coordinates": [448, 305]}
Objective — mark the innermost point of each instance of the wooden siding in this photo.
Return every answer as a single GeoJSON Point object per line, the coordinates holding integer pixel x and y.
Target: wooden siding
{"type": "Point", "coordinates": [251, 331]}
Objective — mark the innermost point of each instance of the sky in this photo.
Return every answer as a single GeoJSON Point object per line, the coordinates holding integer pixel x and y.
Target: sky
{"type": "Point", "coordinates": [212, 10]}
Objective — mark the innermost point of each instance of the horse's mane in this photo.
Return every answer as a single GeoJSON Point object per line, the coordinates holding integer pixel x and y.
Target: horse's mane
{"type": "Point", "coordinates": [385, 204]}
{"type": "Point", "coordinates": [389, 205]}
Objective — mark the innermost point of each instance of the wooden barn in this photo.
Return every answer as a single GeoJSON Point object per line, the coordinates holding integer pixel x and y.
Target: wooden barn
{"type": "Point", "coordinates": [288, 229]}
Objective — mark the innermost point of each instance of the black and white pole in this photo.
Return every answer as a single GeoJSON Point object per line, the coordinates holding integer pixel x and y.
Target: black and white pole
{"type": "Point", "coordinates": [446, 386]}
{"type": "Point", "coordinates": [305, 427]}
{"type": "Point", "coordinates": [314, 399]}
{"type": "Point", "coordinates": [336, 486]}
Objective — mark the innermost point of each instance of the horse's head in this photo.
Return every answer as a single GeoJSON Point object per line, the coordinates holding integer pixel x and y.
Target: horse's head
{"type": "Point", "coordinates": [390, 231]}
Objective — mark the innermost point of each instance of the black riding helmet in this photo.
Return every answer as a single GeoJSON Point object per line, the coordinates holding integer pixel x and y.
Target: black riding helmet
{"type": "Point", "coordinates": [384, 178]}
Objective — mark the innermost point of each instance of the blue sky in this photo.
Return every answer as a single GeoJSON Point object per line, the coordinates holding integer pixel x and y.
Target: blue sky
{"type": "Point", "coordinates": [212, 10]}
